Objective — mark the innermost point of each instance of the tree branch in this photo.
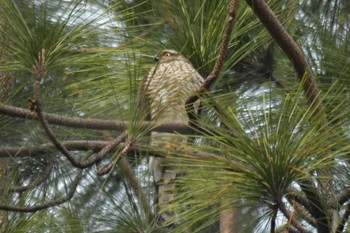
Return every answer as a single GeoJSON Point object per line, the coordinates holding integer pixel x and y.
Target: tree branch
{"type": "Point", "coordinates": [76, 122]}
{"type": "Point", "coordinates": [126, 148]}
{"type": "Point", "coordinates": [39, 71]}
{"type": "Point", "coordinates": [273, 219]}
{"type": "Point", "coordinates": [78, 145]}
{"type": "Point", "coordinates": [344, 219]}
{"type": "Point", "coordinates": [219, 61]}
{"type": "Point", "coordinates": [301, 205]}
{"type": "Point", "coordinates": [75, 145]}
{"type": "Point", "coordinates": [288, 215]}
{"type": "Point", "coordinates": [72, 188]}
{"type": "Point", "coordinates": [298, 196]}
{"type": "Point", "coordinates": [36, 182]}
{"type": "Point", "coordinates": [344, 196]}
{"type": "Point", "coordinates": [316, 208]}
{"type": "Point", "coordinates": [130, 175]}
{"type": "Point", "coordinates": [291, 49]}
{"type": "Point", "coordinates": [312, 93]}
{"type": "Point", "coordinates": [36, 105]}
{"type": "Point", "coordinates": [125, 165]}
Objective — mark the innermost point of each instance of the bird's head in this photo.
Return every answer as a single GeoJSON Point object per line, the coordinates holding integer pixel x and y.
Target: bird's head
{"type": "Point", "coordinates": [168, 55]}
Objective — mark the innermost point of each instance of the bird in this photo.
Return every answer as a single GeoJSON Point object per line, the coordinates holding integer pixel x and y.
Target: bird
{"type": "Point", "coordinates": [163, 94]}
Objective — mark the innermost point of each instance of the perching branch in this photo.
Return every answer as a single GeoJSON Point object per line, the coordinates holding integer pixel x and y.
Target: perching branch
{"type": "Point", "coordinates": [72, 189]}
{"type": "Point", "coordinates": [74, 145]}
{"type": "Point", "coordinates": [76, 122]}
{"type": "Point", "coordinates": [96, 145]}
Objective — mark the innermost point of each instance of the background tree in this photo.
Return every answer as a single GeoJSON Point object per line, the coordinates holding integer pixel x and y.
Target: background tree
{"type": "Point", "coordinates": [269, 148]}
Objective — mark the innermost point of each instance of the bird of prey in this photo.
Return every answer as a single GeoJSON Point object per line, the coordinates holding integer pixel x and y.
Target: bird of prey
{"type": "Point", "coordinates": [163, 92]}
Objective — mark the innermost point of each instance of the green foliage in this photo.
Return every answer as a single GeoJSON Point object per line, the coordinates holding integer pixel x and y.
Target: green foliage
{"type": "Point", "coordinates": [256, 156]}
{"type": "Point", "coordinates": [261, 142]}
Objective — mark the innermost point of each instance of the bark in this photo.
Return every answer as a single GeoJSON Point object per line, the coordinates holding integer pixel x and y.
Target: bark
{"type": "Point", "coordinates": [229, 220]}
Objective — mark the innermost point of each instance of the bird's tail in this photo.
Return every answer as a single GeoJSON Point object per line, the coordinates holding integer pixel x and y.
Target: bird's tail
{"type": "Point", "coordinates": [164, 177]}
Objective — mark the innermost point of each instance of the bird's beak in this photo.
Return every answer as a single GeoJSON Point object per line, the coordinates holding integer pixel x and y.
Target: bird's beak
{"type": "Point", "coordinates": [156, 58]}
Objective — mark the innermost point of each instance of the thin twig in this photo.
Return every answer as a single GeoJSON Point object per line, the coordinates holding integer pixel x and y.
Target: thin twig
{"type": "Point", "coordinates": [316, 208]}
{"type": "Point", "coordinates": [219, 61]}
{"type": "Point", "coordinates": [36, 182]}
{"type": "Point", "coordinates": [129, 173]}
{"type": "Point", "coordinates": [273, 219]}
{"type": "Point", "coordinates": [344, 219]}
{"type": "Point", "coordinates": [100, 155]}
{"type": "Point", "coordinates": [135, 185]}
{"type": "Point", "coordinates": [72, 189]}
{"type": "Point", "coordinates": [38, 72]}
{"type": "Point", "coordinates": [126, 148]}
{"type": "Point", "coordinates": [36, 106]}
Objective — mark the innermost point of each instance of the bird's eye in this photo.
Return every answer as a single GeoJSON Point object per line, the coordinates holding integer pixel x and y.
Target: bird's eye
{"type": "Point", "coordinates": [167, 54]}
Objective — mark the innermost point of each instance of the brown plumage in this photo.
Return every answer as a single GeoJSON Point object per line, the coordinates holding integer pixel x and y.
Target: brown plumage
{"type": "Point", "coordinates": [164, 92]}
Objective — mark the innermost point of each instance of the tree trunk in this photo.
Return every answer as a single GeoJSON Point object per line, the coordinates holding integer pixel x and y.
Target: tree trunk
{"type": "Point", "coordinates": [228, 220]}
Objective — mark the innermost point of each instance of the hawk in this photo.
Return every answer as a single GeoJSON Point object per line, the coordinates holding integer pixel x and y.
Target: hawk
{"type": "Point", "coordinates": [163, 92]}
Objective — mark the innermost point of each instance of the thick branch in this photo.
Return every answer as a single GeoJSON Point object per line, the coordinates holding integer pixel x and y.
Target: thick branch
{"type": "Point", "coordinates": [301, 205]}
{"type": "Point", "coordinates": [288, 215]}
{"type": "Point", "coordinates": [273, 219]}
{"type": "Point", "coordinates": [74, 145]}
{"type": "Point", "coordinates": [76, 122]}
{"type": "Point", "coordinates": [72, 189]}
{"type": "Point", "coordinates": [77, 145]}
{"type": "Point", "coordinates": [290, 48]}
{"type": "Point", "coordinates": [296, 195]}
